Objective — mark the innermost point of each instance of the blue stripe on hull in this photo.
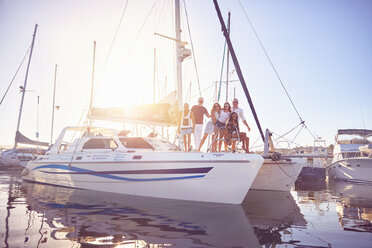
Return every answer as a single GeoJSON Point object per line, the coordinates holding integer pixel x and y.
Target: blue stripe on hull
{"type": "Point", "coordinates": [107, 174]}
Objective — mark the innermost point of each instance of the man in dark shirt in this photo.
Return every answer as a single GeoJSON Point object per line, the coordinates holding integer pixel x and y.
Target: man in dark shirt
{"type": "Point", "coordinates": [199, 112]}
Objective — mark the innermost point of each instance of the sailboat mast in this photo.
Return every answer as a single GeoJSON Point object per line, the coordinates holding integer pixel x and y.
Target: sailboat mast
{"type": "Point", "coordinates": [178, 54]}
{"type": "Point", "coordinates": [92, 87]}
{"type": "Point", "coordinates": [24, 85]}
{"type": "Point", "coordinates": [53, 107]}
{"type": "Point", "coordinates": [237, 67]}
{"type": "Point", "coordinates": [227, 59]}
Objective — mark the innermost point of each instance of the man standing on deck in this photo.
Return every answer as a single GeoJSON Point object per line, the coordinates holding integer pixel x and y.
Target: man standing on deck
{"type": "Point", "coordinates": [199, 112]}
{"type": "Point", "coordinates": [243, 136]}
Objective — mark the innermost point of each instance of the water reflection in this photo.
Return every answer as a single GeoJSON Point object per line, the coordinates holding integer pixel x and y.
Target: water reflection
{"type": "Point", "coordinates": [35, 215]}
{"type": "Point", "coordinates": [89, 217]}
{"type": "Point", "coordinates": [354, 205]}
{"type": "Point", "coordinates": [272, 214]}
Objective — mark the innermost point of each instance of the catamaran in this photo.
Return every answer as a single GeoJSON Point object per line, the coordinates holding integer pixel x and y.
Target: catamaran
{"type": "Point", "coordinates": [111, 161]}
{"type": "Point", "coordinates": [104, 160]}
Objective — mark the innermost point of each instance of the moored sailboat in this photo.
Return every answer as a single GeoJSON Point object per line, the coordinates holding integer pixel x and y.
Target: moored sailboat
{"type": "Point", "coordinates": [110, 161]}
{"type": "Point", "coordinates": [16, 155]}
{"type": "Point", "coordinates": [103, 160]}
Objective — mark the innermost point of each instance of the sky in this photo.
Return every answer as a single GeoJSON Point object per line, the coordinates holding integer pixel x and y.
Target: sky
{"type": "Point", "coordinates": [321, 50]}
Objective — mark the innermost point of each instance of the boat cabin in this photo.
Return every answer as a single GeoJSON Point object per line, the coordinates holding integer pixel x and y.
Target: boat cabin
{"type": "Point", "coordinates": [103, 140]}
{"type": "Point", "coordinates": [349, 142]}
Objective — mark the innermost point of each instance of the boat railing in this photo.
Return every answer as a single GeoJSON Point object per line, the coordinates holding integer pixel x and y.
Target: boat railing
{"type": "Point", "coordinates": [216, 138]}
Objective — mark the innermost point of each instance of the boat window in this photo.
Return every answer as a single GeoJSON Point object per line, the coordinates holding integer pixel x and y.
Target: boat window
{"type": "Point", "coordinates": [100, 144]}
{"type": "Point", "coordinates": [136, 142]}
{"type": "Point", "coordinates": [350, 154]}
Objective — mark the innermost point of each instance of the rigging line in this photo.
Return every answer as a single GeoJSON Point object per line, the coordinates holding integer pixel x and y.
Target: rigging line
{"type": "Point", "coordinates": [140, 30]}
{"type": "Point", "coordinates": [271, 63]}
{"type": "Point", "coordinates": [284, 139]}
{"type": "Point", "coordinates": [109, 52]}
{"type": "Point", "coordinates": [290, 130]}
{"type": "Point", "coordinates": [194, 96]}
{"type": "Point", "coordinates": [252, 146]}
{"type": "Point", "coordinates": [223, 63]}
{"type": "Point", "coordinates": [11, 82]}
{"type": "Point", "coordinates": [160, 15]}
{"type": "Point", "coordinates": [295, 136]}
{"type": "Point", "coordinates": [315, 139]}
{"type": "Point", "coordinates": [115, 35]}
{"type": "Point", "coordinates": [192, 47]}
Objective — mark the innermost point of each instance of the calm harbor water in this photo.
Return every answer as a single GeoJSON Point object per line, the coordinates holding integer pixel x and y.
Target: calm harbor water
{"type": "Point", "coordinates": [314, 215]}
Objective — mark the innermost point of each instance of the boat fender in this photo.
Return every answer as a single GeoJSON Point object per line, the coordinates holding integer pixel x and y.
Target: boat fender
{"type": "Point", "coordinates": [276, 156]}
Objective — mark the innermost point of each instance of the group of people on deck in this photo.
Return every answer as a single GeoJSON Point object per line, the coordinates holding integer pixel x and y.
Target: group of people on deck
{"type": "Point", "coordinates": [223, 126]}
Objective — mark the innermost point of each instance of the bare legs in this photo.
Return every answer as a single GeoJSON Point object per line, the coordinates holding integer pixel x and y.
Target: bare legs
{"type": "Point", "coordinates": [202, 141]}
{"type": "Point", "coordinates": [245, 141]}
{"type": "Point", "coordinates": [187, 141]}
{"type": "Point", "coordinates": [222, 134]}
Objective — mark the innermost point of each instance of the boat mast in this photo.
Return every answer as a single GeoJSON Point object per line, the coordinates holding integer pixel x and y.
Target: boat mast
{"type": "Point", "coordinates": [24, 85]}
{"type": "Point", "coordinates": [237, 67]}
{"type": "Point", "coordinates": [53, 107]}
{"type": "Point", "coordinates": [227, 60]}
{"type": "Point", "coordinates": [178, 55]}
{"type": "Point", "coordinates": [91, 90]}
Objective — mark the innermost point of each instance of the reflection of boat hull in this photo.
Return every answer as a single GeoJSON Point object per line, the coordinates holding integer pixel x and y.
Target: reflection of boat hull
{"type": "Point", "coordinates": [355, 194]}
{"type": "Point", "coordinates": [278, 175]}
{"type": "Point", "coordinates": [272, 209]}
{"type": "Point", "coordinates": [357, 169]}
{"type": "Point", "coordinates": [221, 178]}
{"type": "Point", "coordinates": [89, 216]}
{"type": "Point", "coordinates": [354, 205]}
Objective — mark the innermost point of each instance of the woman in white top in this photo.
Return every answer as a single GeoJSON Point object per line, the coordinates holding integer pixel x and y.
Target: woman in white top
{"type": "Point", "coordinates": [220, 125]}
{"type": "Point", "coordinates": [186, 126]}
{"type": "Point", "coordinates": [209, 128]}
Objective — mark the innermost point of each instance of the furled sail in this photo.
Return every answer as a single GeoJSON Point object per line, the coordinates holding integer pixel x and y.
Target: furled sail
{"type": "Point", "coordinates": [21, 139]}
{"type": "Point", "coordinates": [162, 113]}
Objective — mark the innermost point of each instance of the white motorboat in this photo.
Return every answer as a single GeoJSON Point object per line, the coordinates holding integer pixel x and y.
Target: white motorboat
{"type": "Point", "coordinates": [106, 161]}
{"type": "Point", "coordinates": [351, 160]}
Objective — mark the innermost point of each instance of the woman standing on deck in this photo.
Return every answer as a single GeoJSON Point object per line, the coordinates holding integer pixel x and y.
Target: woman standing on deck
{"type": "Point", "coordinates": [220, 125]}
{"type": "Point", "coordinates": [209, 128]}
{"type": "Point", "coordinates": [186, 125]}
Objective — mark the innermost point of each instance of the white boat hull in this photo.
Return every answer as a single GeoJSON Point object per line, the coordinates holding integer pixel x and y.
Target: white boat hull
{"type": "Point", "coordinates": [357, 169]}
{"type": "Point", "coordinates": [221, 178]}
{"type": "Point", "coordinates": [12, 157]}
{"type": "Point", "coordinates": [278, 175]}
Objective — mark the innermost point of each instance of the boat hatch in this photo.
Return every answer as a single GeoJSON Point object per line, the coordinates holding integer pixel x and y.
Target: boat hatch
{"type": "Point", "coordinates": [99, 143]}
{"type": "Point", "coordinates": [136, 142]}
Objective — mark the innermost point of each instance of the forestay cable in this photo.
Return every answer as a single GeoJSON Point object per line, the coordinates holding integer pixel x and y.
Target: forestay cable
{"type": "Point", "coordinates": [268, 58]}
{"type": "Point", "coordinates": [276, 72]}
{"type": "Point", "coordinates": [11, 82]}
